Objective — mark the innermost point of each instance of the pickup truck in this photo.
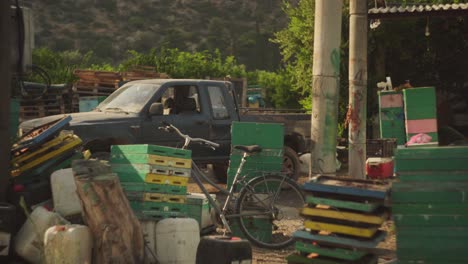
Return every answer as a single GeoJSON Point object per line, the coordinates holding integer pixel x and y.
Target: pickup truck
{"type": "Point", "coordinates": [200, 108]}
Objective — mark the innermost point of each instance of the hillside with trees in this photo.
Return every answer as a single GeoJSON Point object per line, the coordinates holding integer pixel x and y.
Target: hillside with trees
{"type": "Point", "coordinates": [109, 28]}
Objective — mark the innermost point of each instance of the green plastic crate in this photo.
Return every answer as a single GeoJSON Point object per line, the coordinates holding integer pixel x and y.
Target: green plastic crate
{"type": "Point", "coordinates": [420, 103]}
{"type": "Point", "coordinates": [266, 135]}
{"type": "Point", "coordinates": [423, 95]}
{"type": "Point", "coordinates": [151, 149]}
{"type": "Point", "coordinates": [169, 189]}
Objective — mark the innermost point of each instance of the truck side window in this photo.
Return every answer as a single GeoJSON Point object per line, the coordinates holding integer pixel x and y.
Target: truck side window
{"type": "Point", "coordinates": [167, 99]}
{"type": "Point", "coordinates": [218, 105]}
{"type": "Point", "coordinates": [181, 99]}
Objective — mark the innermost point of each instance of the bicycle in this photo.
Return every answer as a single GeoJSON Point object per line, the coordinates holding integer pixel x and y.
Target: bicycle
{"type": "Point", "coordinates": [266, 208]}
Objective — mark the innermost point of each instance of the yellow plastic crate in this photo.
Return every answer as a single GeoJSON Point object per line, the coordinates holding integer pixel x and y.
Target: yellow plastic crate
{"type": "Point", "coordinates": [166, 198]}
{"type": "Point", "coordinates": [170, 161]}
{"type": "Point", "coordinates": [27, 162]}
{"type": "Point", "coordinates": [165, 179]}
{"type": "Point", "coordinates": [341, 229]}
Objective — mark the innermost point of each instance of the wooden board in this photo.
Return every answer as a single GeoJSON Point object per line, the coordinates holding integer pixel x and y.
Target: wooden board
{"type": "Point", "coordinates": [346, 216]}
{"type": "Point", "coordinates": [339, 253]}
{"type": "Point", "coordinates": [357, 206]}
{"type": "Point", "coordinates": [116, 232]}
{"type": "Point", "coordinates": [343, 241]}
{"type": "Point", "coordinates": [348, 186]}
{"type": "Point", "coordinates": [340, 229]}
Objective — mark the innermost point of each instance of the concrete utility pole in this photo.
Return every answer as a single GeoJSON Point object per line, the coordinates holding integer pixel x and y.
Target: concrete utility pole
{"type": "Point", "coordinates": [357, 112]}
{"type": "Point", "coordinates": [5, 92]}
{"type": "Point", "coordinates": [325, 82]}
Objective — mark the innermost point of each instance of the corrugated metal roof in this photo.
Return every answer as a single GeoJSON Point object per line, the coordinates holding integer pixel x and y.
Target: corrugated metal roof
{"type": "Point", "coordinates": [417, 10]}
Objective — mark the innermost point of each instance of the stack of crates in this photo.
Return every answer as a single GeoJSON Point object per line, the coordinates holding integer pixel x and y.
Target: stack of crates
{"type": "Point", "coordinates": [270, 137]}
{"type": "Point", "coordinates": [421, 112]}
{"type": "Point", "coordinates": [154, 178]}
{"type": "Point", "coordinates": [392, 116]}
{"type": "Point", "coordinates": [429, 205]}
{"type": "Point", "coordinates": [342, 223]}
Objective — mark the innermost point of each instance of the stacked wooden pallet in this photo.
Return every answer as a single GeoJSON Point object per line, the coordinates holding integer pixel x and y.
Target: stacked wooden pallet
{"type": "Point", "coordinates": [56, 100]}
{"type": "Point", "coordinates": [142, 73]}
{"type": "Point", "coordinates": [421, 112]}
{"type": "Point", "coordinates": [343, 219]}
{"type": "Point", "coordinates": [94, 83]}
{"type": "Point", "coordinates": [429, 205]}
{"type": "Point", "coordinates": [154, 179]}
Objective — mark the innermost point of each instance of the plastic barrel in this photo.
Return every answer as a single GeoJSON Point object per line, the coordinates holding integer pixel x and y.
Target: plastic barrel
{"type": "Point", "coordinates": [223, 250]}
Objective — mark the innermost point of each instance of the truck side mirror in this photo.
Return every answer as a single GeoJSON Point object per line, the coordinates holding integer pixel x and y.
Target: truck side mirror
{"type": "Point", "coordinates": [156, 109]}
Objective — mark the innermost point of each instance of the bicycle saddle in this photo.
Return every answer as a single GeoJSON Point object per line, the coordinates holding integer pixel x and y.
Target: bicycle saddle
{"type": "Point", "coordinates": [249, 149]}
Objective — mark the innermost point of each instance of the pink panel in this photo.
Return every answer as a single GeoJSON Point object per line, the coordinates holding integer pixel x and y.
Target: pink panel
{"type": "Point", "coordinates": [421, 126]}
{"type": "Point", "coordinates": [391, 100]}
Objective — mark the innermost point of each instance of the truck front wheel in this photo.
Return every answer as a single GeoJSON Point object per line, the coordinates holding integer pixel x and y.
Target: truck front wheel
{"type": "Point", "coordinates": [291, 163]}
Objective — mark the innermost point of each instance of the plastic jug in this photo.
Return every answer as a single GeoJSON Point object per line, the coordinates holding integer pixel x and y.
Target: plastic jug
{"type": "Point", "coordinates": [29, 240]}
{"type": "Point", "coordinates": [66, 201]}
{"type": "Point", "coordinates": [68, 244]}
{"type": "Point", "coordinates": [177, 240]}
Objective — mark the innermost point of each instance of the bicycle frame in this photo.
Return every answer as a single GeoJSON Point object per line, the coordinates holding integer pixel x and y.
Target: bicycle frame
{"type": "Point", "coordinates": [221, 212]}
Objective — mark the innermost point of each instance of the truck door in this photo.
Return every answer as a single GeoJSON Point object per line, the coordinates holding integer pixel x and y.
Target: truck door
{"type": "Point", "coordinates": [223, 112]}
{"type": "Point", "coordinates": [191, 117]}
{"type": "Point", "coordinates": [149, 132]}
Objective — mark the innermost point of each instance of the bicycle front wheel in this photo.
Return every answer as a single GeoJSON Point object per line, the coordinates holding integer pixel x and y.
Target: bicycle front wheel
{"type": "Point", "coordinates": [269, 211]}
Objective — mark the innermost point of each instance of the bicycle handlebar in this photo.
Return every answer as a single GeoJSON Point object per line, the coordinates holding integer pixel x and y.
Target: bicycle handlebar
{"type": "Point", "coordinates": [171, 128]}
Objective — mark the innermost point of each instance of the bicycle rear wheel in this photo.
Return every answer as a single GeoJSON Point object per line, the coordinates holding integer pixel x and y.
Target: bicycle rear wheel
{"type": "Point", "coordinates": [269, 211]}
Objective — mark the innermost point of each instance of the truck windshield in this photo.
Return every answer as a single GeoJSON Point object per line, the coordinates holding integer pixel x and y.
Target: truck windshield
{"type": "Point", "coordinates": [130, 98]}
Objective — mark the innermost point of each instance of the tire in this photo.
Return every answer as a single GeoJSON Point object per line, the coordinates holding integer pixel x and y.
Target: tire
{"type": "Point", "coordinates": [291, 163]}
{"type": "Point", "coordinates": [265, 227]}
{"type": "Point", "coordinates": [223, 250]}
